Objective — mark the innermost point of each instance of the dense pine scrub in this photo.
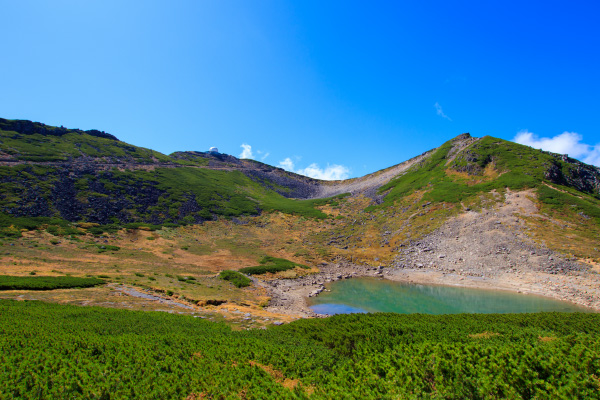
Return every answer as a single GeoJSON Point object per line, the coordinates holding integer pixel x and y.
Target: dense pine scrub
{"type": "Point", "coordinates": [235, 277]}
{"type": "Point", "coordinates": [8, 282]}
{"type": "Point", "coordinates": [50, 351]}
{"type": "Point", "coordinates": [272, 265]}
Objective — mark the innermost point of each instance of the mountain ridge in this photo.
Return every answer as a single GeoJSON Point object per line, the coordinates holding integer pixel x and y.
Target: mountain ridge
{"type": "Point", "coordinates": [91, 176]}
{"type": "Point", "coordinates": [468, 212]}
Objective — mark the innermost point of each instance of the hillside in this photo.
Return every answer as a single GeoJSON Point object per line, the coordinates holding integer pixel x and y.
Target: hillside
{"type": "Point", "coordinates": [238, 246]}
{"type": "Point", "coordinates": [473, 211]}
{"type": "Point", "coordinates": [91, 176]}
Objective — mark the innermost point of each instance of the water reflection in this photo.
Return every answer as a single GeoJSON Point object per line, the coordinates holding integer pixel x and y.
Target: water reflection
{"type": "Point", "coordinates": [376, 295]}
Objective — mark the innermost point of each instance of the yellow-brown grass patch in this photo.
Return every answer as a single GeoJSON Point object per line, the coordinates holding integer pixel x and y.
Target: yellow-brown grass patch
{"type": "Point", "coordinates": [277, 376]}
{"type": "Point", "coordinates": [489, 173]}
{"type": "Point", "coordinates": [484, 335]}
{"type": "Point", "coordinates": [198, 396]}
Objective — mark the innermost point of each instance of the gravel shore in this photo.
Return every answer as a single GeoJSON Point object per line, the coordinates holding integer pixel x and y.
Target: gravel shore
{"type": "Point", "coordinates": [487, 250]}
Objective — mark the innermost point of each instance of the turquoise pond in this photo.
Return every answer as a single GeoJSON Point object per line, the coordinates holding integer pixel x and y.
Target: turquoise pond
{"type": "Point", "coordinates": [379, 295]}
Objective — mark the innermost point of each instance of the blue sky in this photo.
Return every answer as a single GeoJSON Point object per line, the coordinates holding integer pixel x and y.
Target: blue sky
{"type": "Point", "coordinates": [326, 88]}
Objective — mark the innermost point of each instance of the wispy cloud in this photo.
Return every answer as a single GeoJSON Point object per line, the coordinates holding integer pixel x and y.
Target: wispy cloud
{"type": "Point", "coordinates": [566, 143]}
{"type": "Point", "coordinates": [249, 154]}
{"type": "Point", "coordinates": [440, 112]}
{"type": "Point", "coordinates": [261, 155]}
{"type": "Point", "coordinates": [246, 152]}
{"type": "Point", "coordinates": [332, 172]}
{"type": "Point", "coordinates": [593, 157]}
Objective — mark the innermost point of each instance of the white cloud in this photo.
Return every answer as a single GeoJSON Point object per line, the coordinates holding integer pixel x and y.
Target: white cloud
{"type": "Point", "coordinates": [287, 164]}
{"type": "Point", "coordinates": [440, 112]}
{"type": "Point", "coordinates": [565, 143]}
{"type": "Point", "coordinates": [329, 173]}
{"type": "Point", "coordinates": [593, 157]}
{"type": "Point", "coordinates": [247, 152]}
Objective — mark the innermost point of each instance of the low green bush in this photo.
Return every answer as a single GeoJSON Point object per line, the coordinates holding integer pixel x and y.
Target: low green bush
{"type": "Point", "coordinates": [235, 277]}
{"type": "Point", "coordinates": [8, 282]}
{"type": "Point", "coordinates": [272, 265]}
{"type": "Point", "coordinates": [107, 247]}
{"type": "Point", "coordinates": [52, 351]}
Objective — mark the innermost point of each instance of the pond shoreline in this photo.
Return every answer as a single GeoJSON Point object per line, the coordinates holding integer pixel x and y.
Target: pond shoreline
{"type": "Point", "coordinates": [489, 249]}
{"type": "Point", "coordinates": [290, 296]}
{"type": "Point", "coordinates": [368, 294]}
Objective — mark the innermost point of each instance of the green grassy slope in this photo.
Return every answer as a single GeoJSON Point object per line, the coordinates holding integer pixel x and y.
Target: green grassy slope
{"type": "Point", "coordinates": [496, 164]}
{"type": "Point", "coordinates": [39, 142]}
{"type": "Point", "coordinates": [65, 179]}
{"type": "Point", "coordinates": [53, 351]}
{"type": "Point", "coordinates": [32, 195]}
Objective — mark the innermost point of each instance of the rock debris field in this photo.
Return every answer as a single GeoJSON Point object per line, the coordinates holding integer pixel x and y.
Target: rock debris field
{"type": "Point", "coordinates": [486, 249]}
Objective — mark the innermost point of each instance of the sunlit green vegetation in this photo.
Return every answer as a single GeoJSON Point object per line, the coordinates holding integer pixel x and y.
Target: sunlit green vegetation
{"type": "Point", "coordinates": [8, 282]}
{"type": "Point", "coordinates": [54, 351]}
{"type": "Point", "coordinates": [587, 206]}
{"type": "Point", "coordinates": [272, 265]}
{"type": "Point", "coordinates": [431, 174]}
{"type": "Point", "coordinates": [514, 166]}
{"type": "Point", "coordinates": [235, 277]}
{"type": "Point", "coordinates": [65, 144]}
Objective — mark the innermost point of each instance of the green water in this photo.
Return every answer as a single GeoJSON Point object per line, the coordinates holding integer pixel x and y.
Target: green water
{"type": "Point", "coordinates": [378, 295]}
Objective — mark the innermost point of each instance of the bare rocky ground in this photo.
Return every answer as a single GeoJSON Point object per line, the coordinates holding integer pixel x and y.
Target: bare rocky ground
{"type": "Point", "coordinates": [487, 249]}
{"type": "Point", "coordinates": [288, 296]}
{"type": "Point", "coordinates": [367, 184]}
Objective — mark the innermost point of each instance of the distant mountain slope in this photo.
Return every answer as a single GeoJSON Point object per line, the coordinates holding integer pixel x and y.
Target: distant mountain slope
{"type": "Point", "coordinates": [287, 184]}
{"type": "Point", "coordinates": [91, 176]}
{"type": "Point", "coordinates": [464, 166]}
{"type": "Point", "coordinates": [23, 140]}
